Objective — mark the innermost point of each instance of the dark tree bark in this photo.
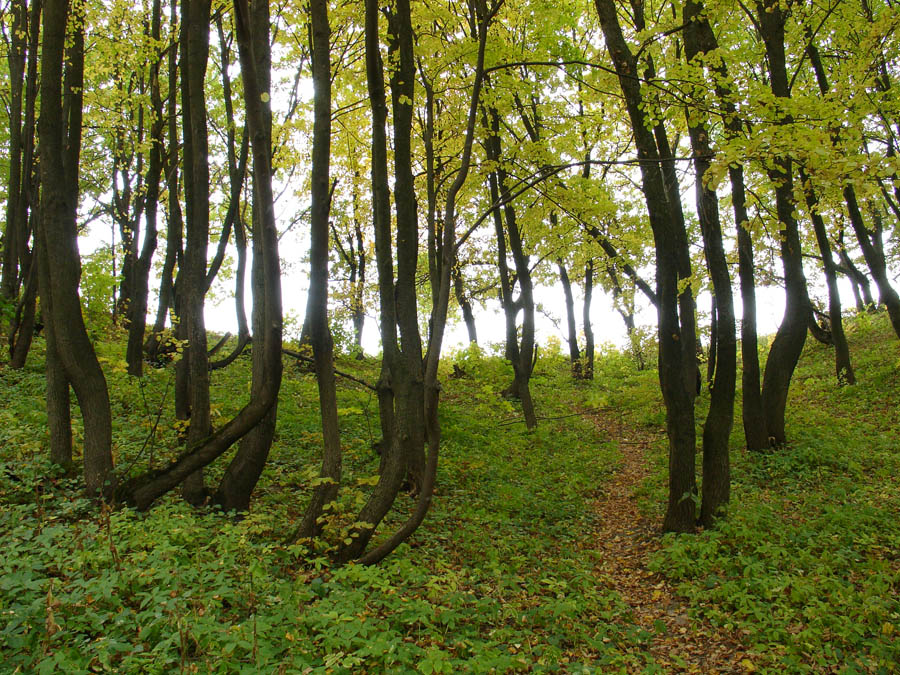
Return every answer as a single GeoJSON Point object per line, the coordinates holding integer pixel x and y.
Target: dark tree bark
{"type": "Point", "coordinates": [751, 410]}
{"type": "Point", "coordinates": [464, 303]}
{"type": "Point", "coordinates": [716, 488]}
{"type": "Point", "coordinates": [843, 366]}
{"type": "Point", "coordinates": [588, 367]}
{"type": "Point", "coordinates": [140, 273]}
{"type": "Point", "coordinates": [869, 241]}
{"type": "Point", "coordinates": [19, 282]}
{"type": "Point", "coordinates": [861, 288]}
{"type": "Point", "coordinates": [144, 490]}
{"type": "Point", "coordinates": [60, 146]}
{"type": "Point", "coordinates": [394, 383]}
{"type": "Point", "coordinates": [791, 334]}
{"type": "Point", "coordinates": [574, 352]}
{"type": "Point", "coordinates": [320, 335]}
{"type": "Point", "coordinates": [191, 285]}
{"type": "Point", "coordinates": [677, 362]}
{"type": "Point", "coordinates": [483, 15]}
{"type": "Point", "coordinates": [520, 352]}
{"type": "Point", "coordinates": [10, 278]}
{"type": "Point", "coordinates": [175, 224]}
{"type": "Point", "coordinates": [616, 258]}
{"type": "Point", "coordinates": [243, 472]}
{"type": "Point", "coordinates": [237, 169]}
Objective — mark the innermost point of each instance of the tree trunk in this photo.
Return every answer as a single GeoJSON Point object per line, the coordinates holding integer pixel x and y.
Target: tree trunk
{"type": "Point", "coordinates": [588, 367]}
{"type": "Point", "coordinates": [464, 304]}
{"type": "Point", "coordinates": [509, 229]}
{"type": "Point", "coordinates": [19, 266]}
{"type": "Point", "coordinates": [843, 366]}
{"type": "Point", "coordinates": [869, 242]}
{"type": "Point", "coordinates": [323, 349]}
{"type": "Point", "coordinates": [393, 385]}
{"type": "Point", "coordinates": [10, 278]}
{"type": "Point", "coordinates": [574, 353]}
{"type": "Point", "coordinates": [791, 334]}
{"type": "Point", "coordinates": [254, 48]}
{"type": "Point", "coordinates": [716, 488]}
{"type": "Point", "coordinates": [676, 369]}
{"type": "Point", "coordinates": [60, 150]}
{"type": "Point", "coordinates": [439, 313]}
{"type": "Point", "coordinates": [140, 280]}
{"type": "Point", "coordinates": [175, 224]}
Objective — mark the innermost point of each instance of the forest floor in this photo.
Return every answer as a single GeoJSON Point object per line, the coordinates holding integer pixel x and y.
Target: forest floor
{"type": "Point", "coordinates": [541, 552]}
{"type": "Point", "coordinates": [626, 539]}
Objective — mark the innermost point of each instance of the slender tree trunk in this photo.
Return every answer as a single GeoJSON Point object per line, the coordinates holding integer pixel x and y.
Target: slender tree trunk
{"type": "Point", "coordinates": [860, 281]}
{"type": "Point", "coordinates": [574, 353]}
{"type": "Point", "coordinates": [140, 281]}
{"type": "Point", "coordinates": [393, 388]}
{"type": "Point", "coordinates": [439, 313]}
{"type": "Point", "coordinates": [464, 304]}
{"type": "Point", "coordinates": [19, 266]}
{"type": "Point", "coordinates": [716, 488]}
{"type": "Point", "coordinates": [677, 371]}
{"type": "Point", "coordinates": [843, 366]}
{"type": "Point", "coordinates": [323, 349]}
{"type": "Point", "coordinates": [10, 278]}
{"type": "Point", "coordinates": [752, 413]}
{"type": "Point", "coordinates": [175, 225]}
{"type": "Point", "coordinates": [791, 334]}
{"type": "Point", "coordinates": [869, 242]}
{"type": "Point", "coordinates": [523, 363]}
{"type": "Point", "coordinates": [588, 367]}
{"type": "Point", "coordinates": [60, 146]}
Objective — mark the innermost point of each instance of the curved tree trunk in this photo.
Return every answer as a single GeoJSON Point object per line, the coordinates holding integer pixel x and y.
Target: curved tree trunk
{"type": "Point", "coordinates": [254, 48]}
{"type": "Point", "coordinates": [58, 232]}
{"type": "Point", "coordinates": [320, 335]}
{"type": "Point", "coordinates": [716, 488]}
{"type": "Point", "coordinates": [843, 366]}
{"type": "Point", "coordinates": [791, 334]}
{"type": "Point", "coordinates": [140, 279]}
{"type": "Point", "coordinates": [677, 369]}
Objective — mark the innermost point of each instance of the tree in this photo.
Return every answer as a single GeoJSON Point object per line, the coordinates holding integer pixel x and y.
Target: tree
{"type": "Point", "coordinates": [71, 361]}
{"type": "Point", "coordinates": [675, 309]}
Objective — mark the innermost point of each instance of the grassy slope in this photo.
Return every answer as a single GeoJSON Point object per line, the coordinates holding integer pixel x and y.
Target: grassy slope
{"type": "Point", "coordinates": [501, 575]}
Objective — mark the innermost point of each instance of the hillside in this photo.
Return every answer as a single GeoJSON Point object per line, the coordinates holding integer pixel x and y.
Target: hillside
{"type": "Point", "coordinates": [541, 551]}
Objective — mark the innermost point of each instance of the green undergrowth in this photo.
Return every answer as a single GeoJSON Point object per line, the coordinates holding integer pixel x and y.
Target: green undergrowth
{"type": "Point", "coordinates": [806, 566]}
{"type": "Point", "coordinates": [499, 578]}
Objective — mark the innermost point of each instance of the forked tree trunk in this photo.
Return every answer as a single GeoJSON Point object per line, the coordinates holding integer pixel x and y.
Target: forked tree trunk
{"type": "Point", "coordinates": [752, 414]}
{"type": "Point", "coordinates": [843, 366]}
{"type": "Point", "coordinates": [677, 370]}
{"type": "Point", "coordinates": [716, 488]}
{"type": "Point", "coordinates": [140, 280]}
{"type": "Point", "coordinates": [254, 48]}
{"type": "Point", "coordinates": [60, 145]}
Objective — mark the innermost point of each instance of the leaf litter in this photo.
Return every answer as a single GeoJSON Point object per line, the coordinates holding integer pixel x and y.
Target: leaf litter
{"type": "Point", "coordinates": [625, 539]}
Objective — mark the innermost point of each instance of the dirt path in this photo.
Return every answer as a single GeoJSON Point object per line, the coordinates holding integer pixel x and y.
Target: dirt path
{"type": "Point", "coordinates": [625, 541]}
